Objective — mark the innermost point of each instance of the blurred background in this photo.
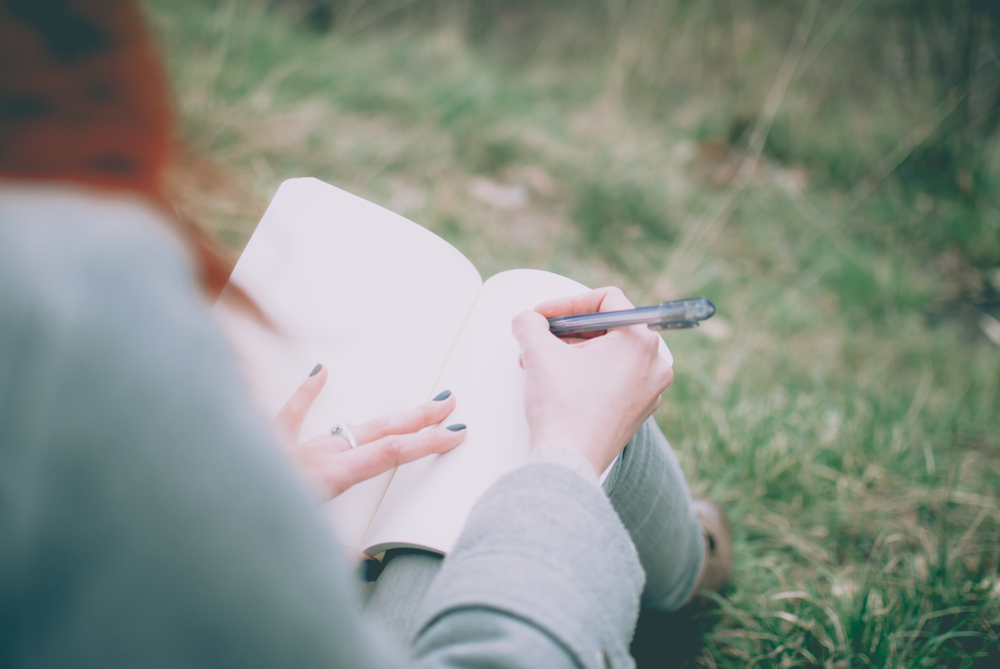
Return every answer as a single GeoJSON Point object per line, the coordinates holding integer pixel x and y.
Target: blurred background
{"type": "Point", "coordinates": [826, 172]}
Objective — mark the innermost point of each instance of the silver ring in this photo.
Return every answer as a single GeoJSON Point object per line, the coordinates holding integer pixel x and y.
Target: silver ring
{"type": "Point", "coordinates": [344, 430]}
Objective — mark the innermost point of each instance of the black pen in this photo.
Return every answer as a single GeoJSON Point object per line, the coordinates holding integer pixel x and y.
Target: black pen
{"type": "Point", "coordinates": [665, 316]}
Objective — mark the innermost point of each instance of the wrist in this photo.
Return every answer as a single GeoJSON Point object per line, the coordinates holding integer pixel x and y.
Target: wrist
{"type": "Point", "coordinates": [569, 458]}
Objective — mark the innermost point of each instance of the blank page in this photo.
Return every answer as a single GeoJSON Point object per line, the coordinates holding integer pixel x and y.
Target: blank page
{"type": "Point", "coordinates": [429, 500]}
{"type": "Point", "coordinates": [376, 298]}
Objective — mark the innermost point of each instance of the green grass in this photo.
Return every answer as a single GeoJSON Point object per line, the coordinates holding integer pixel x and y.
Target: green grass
{"type": "Point", "coordinates": [844, 403]}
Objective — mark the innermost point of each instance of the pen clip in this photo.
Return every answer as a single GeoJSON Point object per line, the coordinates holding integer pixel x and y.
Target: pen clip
{"type": "Point", "coordinates": [675, 325]}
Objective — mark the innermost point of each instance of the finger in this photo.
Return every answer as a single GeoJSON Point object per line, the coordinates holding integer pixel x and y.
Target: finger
{"type": "Point", "coordinates": [651, 408]}
{"type": "Point", "coordinates": [609, 298]}
{"type": "Point", "coordinates": [532, 333]}
{"type": "Point", "coordinates": [411, 420]}
{"type": "Point", "coordinates": [667, 376]}
{"type": "Point", "coordinates": [360, 464]}
{"type": "Point", "coordinates": [580, 337]}
{"type": "Point", "coordinates": [660, 376]}
{"type": "Point", "coordinates": [404, 422]}
{"type": "Point", "coordinates": [289, 419]}
{"type": "Point", "coordinates": [324, 443]}
{"type": "Point", "coordinates": [640, 335]}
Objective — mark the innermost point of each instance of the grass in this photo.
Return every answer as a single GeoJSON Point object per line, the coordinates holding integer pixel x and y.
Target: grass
{"type": "Point", "coordinates": [844, 403]}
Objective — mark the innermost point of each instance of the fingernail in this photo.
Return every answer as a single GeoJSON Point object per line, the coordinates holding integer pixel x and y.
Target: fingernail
{"type": "Point", "coordinates": [316, 370]}
{"type": "Point", "coordinates": [443, 395]}
{"type": "Point", "coordinates": [456, 427]}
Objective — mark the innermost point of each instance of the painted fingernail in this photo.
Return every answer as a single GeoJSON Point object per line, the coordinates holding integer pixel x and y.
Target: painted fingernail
{"type": "Point", "coordinates": [316, 370]}
{"type": "Point", "coordinates": [456, 427]}
{"type": "Point", "coordinates": [443, 395]}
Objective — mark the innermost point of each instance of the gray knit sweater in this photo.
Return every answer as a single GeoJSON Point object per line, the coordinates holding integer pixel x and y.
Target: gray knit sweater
{"type": "Point", "coordinates": [147, 519]}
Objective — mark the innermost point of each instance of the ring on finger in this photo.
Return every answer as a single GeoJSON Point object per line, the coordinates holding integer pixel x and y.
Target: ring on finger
{"type": "Point", "coordinates": [344, 431]}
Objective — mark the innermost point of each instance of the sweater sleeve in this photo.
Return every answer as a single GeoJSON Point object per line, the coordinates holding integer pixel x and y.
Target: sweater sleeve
{"type": "Point", "coordinates": [149, 519]}
{"type": "Point", "coordinates": [543, 547]}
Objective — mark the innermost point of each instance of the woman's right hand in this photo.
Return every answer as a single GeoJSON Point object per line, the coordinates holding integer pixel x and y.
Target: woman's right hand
{"type": "Point", "coordinates": [590, 395]}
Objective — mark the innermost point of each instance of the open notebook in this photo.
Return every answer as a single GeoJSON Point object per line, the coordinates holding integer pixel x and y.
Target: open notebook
{"type": "Point", "coordinates": [397, 315]}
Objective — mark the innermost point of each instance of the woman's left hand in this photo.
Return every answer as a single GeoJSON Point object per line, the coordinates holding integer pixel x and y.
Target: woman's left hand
{"type": "Point", "coordinates": [331, 466]}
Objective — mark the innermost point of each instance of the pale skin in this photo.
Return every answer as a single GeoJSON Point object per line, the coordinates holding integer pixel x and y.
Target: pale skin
{"type": "Point", "coordinates": [331, 466]}
{"type": "Point", "coordinates": [588, 395]}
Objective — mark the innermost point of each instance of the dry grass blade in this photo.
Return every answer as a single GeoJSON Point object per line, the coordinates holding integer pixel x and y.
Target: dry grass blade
{"type": "Point", "coordinates": [697, 230]}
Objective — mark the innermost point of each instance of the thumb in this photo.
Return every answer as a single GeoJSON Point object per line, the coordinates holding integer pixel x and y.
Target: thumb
{"type": "Point", "coordinates": [531, 330]}
{"type": "Point", "coordinates": [289, 419]}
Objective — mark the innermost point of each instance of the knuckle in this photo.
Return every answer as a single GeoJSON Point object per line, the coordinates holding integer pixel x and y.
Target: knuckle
{"type": "Point", "coordinates": [614, 298]}
{"type": "Point", "coordinates": [663, 379]}
{"type": "Point", "coordinates": [287, 414]}
{"type": "Point", "coordinates": [422, 416]}
{"type": "Point", "coordinates": [614, 291]}
{"type": "Point", "coordinates": [425, 413]}
{"type": "Point", "coordinates": [523, 320]}
{"type": "Point", "coordinates": [393, 448]}
{"type": "Point", "coordinates": [380, 425]}
{"type": "Point", "coordinates": [647, 340]}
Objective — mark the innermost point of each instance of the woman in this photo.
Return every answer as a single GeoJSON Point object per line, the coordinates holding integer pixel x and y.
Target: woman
{"type": "Point", "coordinates": [146, 515]}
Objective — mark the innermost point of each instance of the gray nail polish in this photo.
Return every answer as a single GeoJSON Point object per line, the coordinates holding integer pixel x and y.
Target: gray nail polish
{"type": "Point", "coordinates": [316, 370]}
{"type": "Point", "coordinates": [443, 395]}
{"type": "Point", "coordinates": [456, 427]}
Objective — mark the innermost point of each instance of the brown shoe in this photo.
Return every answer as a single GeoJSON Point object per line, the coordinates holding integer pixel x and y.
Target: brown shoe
{"type": "Point", "coordinates": [718, 548]}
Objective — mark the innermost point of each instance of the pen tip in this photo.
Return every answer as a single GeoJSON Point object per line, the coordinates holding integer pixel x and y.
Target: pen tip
{"type": "Point", "coordinates": [703, 309]}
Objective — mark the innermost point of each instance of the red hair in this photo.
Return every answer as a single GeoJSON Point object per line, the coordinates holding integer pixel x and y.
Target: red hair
{"type": "Point", "coordinates": [84, 98]}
